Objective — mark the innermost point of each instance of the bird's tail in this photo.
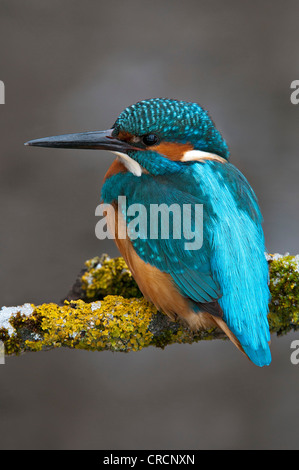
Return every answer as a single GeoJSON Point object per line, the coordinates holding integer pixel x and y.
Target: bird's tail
{"type": "Point", "coordinates": [219, 323]}
{"type": "Point", "coordinates": [260, 356]}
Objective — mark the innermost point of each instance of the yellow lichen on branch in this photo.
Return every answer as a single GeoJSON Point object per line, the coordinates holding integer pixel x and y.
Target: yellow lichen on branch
{"type": "Point", "coordinates": [115, 324]}
{"type": "Point", "coordinates": [90, 318]}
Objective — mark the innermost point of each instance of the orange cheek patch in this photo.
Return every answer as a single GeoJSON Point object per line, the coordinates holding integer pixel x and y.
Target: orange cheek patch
{"type": "Point", "coordinates": [172, 150]}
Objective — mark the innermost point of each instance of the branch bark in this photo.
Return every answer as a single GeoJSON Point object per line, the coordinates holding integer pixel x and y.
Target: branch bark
{"type": "Point", "coordinates": [105, 310]}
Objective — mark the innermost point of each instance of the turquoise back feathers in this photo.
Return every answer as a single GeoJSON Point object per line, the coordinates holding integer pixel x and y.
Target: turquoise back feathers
{"type": "Point", "coordinates": [230, 268]}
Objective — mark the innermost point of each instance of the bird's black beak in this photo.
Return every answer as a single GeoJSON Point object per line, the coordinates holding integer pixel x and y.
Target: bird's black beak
{"type": "Point", "coordinates": [100, 140]}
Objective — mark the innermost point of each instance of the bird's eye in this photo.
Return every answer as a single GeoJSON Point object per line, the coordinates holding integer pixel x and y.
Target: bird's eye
{"type": "Point", "coordinates": [150, 139]}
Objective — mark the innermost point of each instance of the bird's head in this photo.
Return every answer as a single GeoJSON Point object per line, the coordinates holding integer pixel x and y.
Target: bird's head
{"type": "Point", "coordinates": [157, 135]}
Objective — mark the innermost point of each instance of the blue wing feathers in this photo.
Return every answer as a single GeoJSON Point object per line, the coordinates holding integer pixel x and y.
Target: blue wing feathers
{"type": "Point", "coordinates": [230, 267]}
{"type": "Point", "coordinates": [200, 287]}
{"type": "Point", "coordinates": [241, 267]}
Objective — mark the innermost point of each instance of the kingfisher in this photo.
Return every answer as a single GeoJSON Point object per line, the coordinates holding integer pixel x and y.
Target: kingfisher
{"type": "Point", "coordinates": [169, 152]}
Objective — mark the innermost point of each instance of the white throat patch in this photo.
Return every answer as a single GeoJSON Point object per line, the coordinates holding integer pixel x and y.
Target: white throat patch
{"type": "Point", "coordinates": [200, 155]}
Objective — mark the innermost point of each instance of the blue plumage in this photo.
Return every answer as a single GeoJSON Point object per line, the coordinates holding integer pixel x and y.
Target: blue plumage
{"type": "Point", "coordinates": [170, 153]}
{"type": "Point", "coordinates": [231, 266]}
{"type": "Point", "coordinates": [174, 121]}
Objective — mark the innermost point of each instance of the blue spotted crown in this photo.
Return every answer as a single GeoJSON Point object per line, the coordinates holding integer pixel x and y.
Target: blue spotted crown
{"type": "Point", "coordinates": [173, 121]}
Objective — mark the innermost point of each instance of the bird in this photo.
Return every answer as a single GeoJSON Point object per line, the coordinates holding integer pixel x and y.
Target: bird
{"type": "Point", "coordinates": [169, 152]}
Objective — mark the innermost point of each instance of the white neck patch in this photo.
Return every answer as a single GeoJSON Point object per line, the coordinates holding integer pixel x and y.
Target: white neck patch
{"type": "Point", "coordinates": [189, 156]}
{"type": "Point", "coordinates": [131, 165]}
{"type": "Point", "coordinates": [200, 155]}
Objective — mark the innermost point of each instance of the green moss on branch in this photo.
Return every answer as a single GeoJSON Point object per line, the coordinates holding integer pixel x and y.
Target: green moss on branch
{"type": "Point", "coordinates": [284, 288]}
{"type": "Point", "coordinates": [125, 321]}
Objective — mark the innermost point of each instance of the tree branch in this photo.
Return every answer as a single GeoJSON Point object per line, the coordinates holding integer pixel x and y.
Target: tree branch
{"type": "Point", "coordinates": [105, 310]}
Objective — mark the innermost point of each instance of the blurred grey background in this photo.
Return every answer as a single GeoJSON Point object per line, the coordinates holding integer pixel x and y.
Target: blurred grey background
{"type": "Point", "coordinates": [71, 66]}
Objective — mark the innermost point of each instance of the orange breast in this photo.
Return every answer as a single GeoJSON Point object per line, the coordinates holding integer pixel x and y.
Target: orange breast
{"type": "Point", "coordinates": [155, 285]}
